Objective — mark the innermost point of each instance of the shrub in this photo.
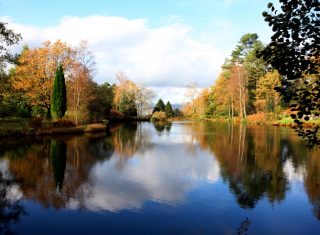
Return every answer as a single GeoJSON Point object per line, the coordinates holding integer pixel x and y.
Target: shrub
{"type": "Point", "coordinates": [62, 123]}
{"type": "Point", "coordinates": [159, 116]}
{"type": "Point", "coordinates": [38, 111]}
{"type": "Point", "coordinates": [35, 122]}
{"type": "Point", "coordinates": [116, 115]}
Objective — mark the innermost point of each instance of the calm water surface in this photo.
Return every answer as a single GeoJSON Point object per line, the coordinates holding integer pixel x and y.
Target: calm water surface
{"type": "Point", "coordinates": [183, 178]}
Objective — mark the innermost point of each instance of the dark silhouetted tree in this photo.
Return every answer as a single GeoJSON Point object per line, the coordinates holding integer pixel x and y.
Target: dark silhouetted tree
{"type": "Point", "coordinates": [7, 38]}
{"type": "Point", "coordinates": [294, 51]}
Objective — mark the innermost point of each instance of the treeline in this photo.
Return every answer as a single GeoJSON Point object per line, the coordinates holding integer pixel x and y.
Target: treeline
{"type": "Point", "coordinates": [245, 86]}
{"type": "Point", "coordinates": [162, 112]}
{"type": "Point", "coordinates": [26, 88]}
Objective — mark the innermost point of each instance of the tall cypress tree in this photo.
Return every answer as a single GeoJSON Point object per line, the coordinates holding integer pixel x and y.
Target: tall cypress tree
{"type": "Point", "coordinates": [59, 95]}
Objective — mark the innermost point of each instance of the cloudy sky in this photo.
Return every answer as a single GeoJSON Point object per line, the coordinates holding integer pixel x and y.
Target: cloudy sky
{"type": "Point", "coordinates": [164, 45]}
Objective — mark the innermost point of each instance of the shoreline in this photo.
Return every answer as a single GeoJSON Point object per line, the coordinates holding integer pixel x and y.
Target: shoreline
{"type": "Point", "coordinates": [25, 128]}
{"type": "Point", "coordinates": [280, 123]}
{"type": "Point", "coordinates": [20, 130]}
{"type": "Point", "coordinates": [90, 128]}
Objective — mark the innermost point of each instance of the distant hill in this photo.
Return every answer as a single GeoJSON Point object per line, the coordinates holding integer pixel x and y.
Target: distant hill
{"type": "Point", "coordinates": [176, 106]}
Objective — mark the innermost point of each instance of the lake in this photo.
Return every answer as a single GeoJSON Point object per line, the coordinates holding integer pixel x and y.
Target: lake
{"type": "Point", "coordinates": [179, 178]}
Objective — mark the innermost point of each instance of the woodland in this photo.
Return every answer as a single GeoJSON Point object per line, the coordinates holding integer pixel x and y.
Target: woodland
{"type": "Point", "coordinates": [275, 83]}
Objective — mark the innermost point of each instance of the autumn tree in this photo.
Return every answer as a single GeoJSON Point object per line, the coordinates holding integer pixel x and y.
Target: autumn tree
{"type": "Point", "coordinates": [81, 87]}
{"type": "Point", "coordinates": [201, 102]}
{"type": "Point", "coordinates": [130, 98]}
{"type": "Point", "coordinates": [35, 72]}
{"type": "Point", "coordinates": [58, 105]}
{"type": "Point", "coordinates": [294, 51]}
{"type": "Point", "coordinates": [226, 104]}
{"type": "Point", "coordinates": [240, 80]}
{"type": "Point", "coordinates": [187, 110]}
{"type": "Point", "coordinates": [246, 54]}
{"type": "Point", "coordinates": [199, 106]}
{"type": "Point", "coordinates": [267, 98]}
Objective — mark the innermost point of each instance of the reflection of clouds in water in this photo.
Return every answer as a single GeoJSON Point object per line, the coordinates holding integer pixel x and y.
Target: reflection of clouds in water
{"type": "Point", "coordinates": [292, 173]}
{"type": "Point", "coordinates": [165, 174]}
{"type": "Point", "coordinates": [4, 168]}
{"type": "Point", "coordinates": [13, 192]}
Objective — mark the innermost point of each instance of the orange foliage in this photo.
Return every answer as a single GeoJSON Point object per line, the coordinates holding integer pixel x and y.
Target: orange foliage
{"type": "Point", "coordinates": [35, 72]}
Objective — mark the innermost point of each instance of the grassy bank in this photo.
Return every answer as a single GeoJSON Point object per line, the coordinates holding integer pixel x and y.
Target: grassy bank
{"type": "Point", "coordinates": [281, 120]}
{"type": "Point", "coordinates": [266, 119]}
{"type": "Point", "coordinates": [29, 127]}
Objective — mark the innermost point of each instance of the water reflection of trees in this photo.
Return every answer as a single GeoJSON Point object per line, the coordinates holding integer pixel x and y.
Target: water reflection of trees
{"type": "Point", "coordinates": [312, 182]}
{"type": "Point", "coordinates": [55, 172]}
{"type": "Point", "coordinates": [252, 161]}
{"type": "Point", "coordinates": [52, 171]}
{"type": "Point", "coordinates": [160, 126]}
{"type": "Point", "coordinates": [128, 139]}
{"type": "Point", "coordinates": [58, 160]}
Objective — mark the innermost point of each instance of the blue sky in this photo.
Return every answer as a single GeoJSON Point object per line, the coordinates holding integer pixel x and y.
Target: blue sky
{"type": "Point", "coordinates": [200, 14]}
{"type": "Point", "coordinates": [161, 44]}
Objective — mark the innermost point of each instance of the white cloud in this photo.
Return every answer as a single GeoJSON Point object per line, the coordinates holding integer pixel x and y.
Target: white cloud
{"type": "Point", "coordinates": [176, 95]}
{"type": "Point", "coordinates": [154, 175]}
{"type": "Point", "coordinates": [163, 56]}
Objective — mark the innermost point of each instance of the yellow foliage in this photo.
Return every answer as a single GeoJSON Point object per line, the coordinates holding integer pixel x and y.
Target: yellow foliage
{"type": "Point", "coordinates": [265, 92]}
{"type": "Point", "coordinates": [124, 86]}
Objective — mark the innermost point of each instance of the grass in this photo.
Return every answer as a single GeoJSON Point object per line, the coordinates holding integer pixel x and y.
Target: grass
{"type": "Point", "coordinates": [26, 127]}
{"type": "Point", "coordinates": [286, 121]}
{"type": "Point", "coordinates": [267, 119]}
{"type": "Point", "coordinates": [17, 127]}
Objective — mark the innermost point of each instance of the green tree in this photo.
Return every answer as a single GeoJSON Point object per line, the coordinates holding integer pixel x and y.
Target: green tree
{"type": "Point", "coordinates": [100, 107]}
{"type": "Point", "coordinates": [294, 51]}
{"type": "Point", "coordinates": [159, 106]}
{"type": "Point", "coordinates": [127, 106]}
{"type": "Point", "coordinates": [246, 54]}
{"type": "Point", "coordinates": [59, 95]}
{"type": "Point", "coordinates": [169, 110]}
{"type": "Point", "coordinates": [8, 105]}
{"type": "Point", "coordinates": [177, 113]}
